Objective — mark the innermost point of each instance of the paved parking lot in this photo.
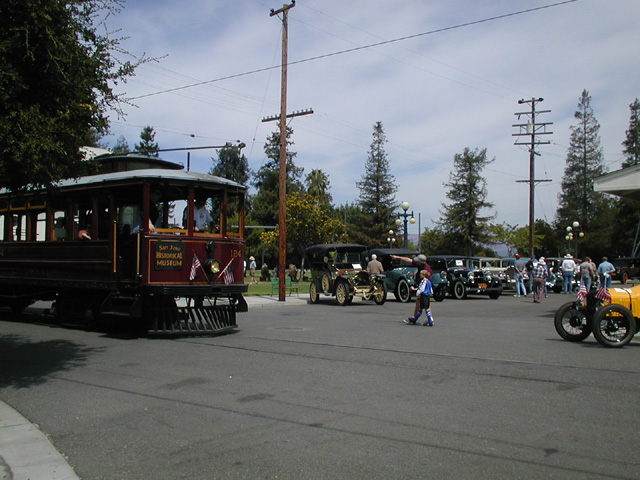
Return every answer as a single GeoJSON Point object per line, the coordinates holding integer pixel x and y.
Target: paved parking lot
{"type": "Point", "coordinates": [322, 391]}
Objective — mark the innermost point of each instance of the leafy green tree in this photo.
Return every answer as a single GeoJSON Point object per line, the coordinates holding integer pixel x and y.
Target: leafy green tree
{"type": "Point", "coordinates": [577, 200]}
{"type": "Point", "coordinates": [307, 224]}
{"type": "Point", "coordinates": [147, 145]}
{"type": "Point", "coordinates": [377, 194]}
{"type": "Point", "coordinates": [56, 86]}
{"type": "Point", "coordinates": [267, 179]}
{"type": "Point", "coordinates": [462, 221]}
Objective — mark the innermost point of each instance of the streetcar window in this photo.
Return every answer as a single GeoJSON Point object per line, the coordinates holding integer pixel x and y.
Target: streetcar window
{"type": "Point", "coordinates": [19, 232]}
{"type": "Point", "coordinates": [2, 227]}
{"type": "Point", "coordinates": [41, 226]}
{"type": "Point", "coordinates": [60, 225]}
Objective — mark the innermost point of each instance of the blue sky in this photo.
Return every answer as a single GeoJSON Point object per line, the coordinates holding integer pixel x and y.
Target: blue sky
{"type": "Point", "coordinates": [435, 94]}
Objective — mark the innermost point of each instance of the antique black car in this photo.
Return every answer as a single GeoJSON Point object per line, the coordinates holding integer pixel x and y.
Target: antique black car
{"type": "Point", "coordinates": [401, 275]}
{"type": "Point", "coordinates": [339, 269]}
{"type": "Point", "coordinates": [465, 279]}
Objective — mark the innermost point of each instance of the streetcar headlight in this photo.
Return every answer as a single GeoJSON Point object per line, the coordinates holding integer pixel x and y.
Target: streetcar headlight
{"type": "Point", "coordinates": [212, 265]}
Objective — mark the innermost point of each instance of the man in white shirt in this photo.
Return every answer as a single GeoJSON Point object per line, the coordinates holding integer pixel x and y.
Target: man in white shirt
{"type": "Point", "coordinates": [568, 271]}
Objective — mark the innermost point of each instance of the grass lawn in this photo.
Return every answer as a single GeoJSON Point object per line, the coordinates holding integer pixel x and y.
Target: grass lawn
{"type": "Point", "coordinates": [264, 288]}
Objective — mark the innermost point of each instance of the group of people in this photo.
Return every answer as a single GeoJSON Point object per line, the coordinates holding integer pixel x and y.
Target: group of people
{"type": "Point", "coordinates": [539, 271]}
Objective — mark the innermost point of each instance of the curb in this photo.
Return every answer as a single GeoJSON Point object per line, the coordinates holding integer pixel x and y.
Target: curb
{"type": "Point", "coordinates": [26, 453]}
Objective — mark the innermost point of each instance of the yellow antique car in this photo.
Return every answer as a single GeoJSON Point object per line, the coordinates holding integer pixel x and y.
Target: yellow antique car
{"type": "Point", "coordinates": [613, 316]}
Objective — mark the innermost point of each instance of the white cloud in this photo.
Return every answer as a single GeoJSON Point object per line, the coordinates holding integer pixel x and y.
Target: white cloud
{"type": "Point", "coordinates": [435, 94]}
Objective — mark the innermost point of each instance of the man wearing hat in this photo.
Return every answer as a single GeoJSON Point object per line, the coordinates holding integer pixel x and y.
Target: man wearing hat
{"type": "Point", "coordinates": [540, 273]}
{"type": "Point", "coordinates": [568, 270]}
{"type": "Point", "coordinates": [374, 266]}
{"type": "Point", "coordinates": [252, 269]}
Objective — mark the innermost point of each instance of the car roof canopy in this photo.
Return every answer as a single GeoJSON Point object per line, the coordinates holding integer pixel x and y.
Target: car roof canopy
{"type": "Point", "coordinates": [338, 247]}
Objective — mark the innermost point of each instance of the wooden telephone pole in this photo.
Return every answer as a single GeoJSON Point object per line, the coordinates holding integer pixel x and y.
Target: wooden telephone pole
{"type": "Point", "coordinates": [532, 129]}
{"type": "Point", "coordinates": [282, 191]}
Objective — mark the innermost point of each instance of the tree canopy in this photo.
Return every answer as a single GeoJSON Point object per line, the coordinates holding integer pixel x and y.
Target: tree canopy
{"type": "Point", "coordinates": [56, 86]}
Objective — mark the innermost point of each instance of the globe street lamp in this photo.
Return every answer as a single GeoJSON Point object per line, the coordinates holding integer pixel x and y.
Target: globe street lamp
{"type": "Point", "coordinates": [574, 231]}
{"type": "Point", "coordinates": [391, 239]}
{"type": "Point", "coordinates": [406, 218]}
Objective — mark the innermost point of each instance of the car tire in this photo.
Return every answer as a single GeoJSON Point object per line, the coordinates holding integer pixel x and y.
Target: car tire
{"type": "Point", "coordinates": [313, 293]}
{"type": "Point", "coordinates": [459, 290]}
{"type": "Point", "coordinates": [325, 282]}
{"type": "Point", "coordinates": [380, 294]}
{"type": "Point", "coordinates": [571, 322]}
{"type": "Point", "coordinates": [439, 294]}
{"type": "Point", "coordinates": [402, 291]}
{"type": "Point", "coordinates": [624, 278]}
{"type": "Point", "coordinates": [342, 294]}
{"type": "Point", "coordinates": [613, 326]}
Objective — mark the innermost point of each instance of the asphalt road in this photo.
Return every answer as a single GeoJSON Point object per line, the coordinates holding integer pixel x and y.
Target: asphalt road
{"type": "Point", "coordinates": [328, 392]}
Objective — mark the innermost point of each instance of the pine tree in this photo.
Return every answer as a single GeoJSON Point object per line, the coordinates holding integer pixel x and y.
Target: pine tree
{"type": "Point", "coordinates": [577, 200]}
{"type": "Point", "coordinates": [461, 221]}
{"type": "Point", "coordinates": [377, 194]}
{"type": "Point", "coordinates": [147, 145]}
{"type": "Point", "coordinates": [231, 164]}
{"type": "Point", "coordinates": [264, 208]}
{"type": "Point", "coordinates": [121, 147]}
{"type": "Point", "coordinates": [632, 142]}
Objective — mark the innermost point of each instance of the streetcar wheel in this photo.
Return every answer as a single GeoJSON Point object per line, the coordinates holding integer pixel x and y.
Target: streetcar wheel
{"type": "Point", "coordinates": [459, 290]}
{"type": "Point", "coordinates": [402, 292]}
{"type": "Point", "coordinates": [571, 322]}
{"type": "Point", "coordinates": [342, 294]}
{"type": "Point", "coordinates": [313, 293]}
{"type": "Point", "coordinates": [614, 326]}
{"type": "Point", "coordinates": [380, 294]}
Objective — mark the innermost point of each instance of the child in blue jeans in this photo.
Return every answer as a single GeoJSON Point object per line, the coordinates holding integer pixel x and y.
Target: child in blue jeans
{"type": "Point", "coordinates": [423, 291]}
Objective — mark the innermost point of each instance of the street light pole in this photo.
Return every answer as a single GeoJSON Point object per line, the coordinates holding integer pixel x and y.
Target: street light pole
{"type": "Point", "coordinates": [391, 238]}
{"type": "Point", "coordinates": [406, 218]}
{"type": "Point", "coordinates": [574, 231]}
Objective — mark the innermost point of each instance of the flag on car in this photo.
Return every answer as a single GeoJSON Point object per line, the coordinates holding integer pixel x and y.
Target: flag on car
{"type": "Point", "coordinates": [603, 294]}
{"type": "Point", "coordinates": [195, 265]}
{"type": "Point", "coordinates": [582, 294]}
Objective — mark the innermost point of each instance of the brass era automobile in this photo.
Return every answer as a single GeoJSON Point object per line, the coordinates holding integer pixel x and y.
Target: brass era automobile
{"type": "Point", "coordinates": [613, 322]}
{"type": "Point", "coordinates": [338, 269]}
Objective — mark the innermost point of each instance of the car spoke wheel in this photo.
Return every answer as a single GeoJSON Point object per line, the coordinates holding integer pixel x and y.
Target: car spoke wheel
{"type": "Point", "coordinates": [342, 294]}
{"type": "Point", "coordinates": [380, 294]}
{"type": "Point", "coordinates": [571, 322]}
{"type": "Point", "coordinates": [402, 292]}
{"type": "Point", "coordinates": [326, 284]}
{"type": "Point", "coordinates": [614, 326]}
{"type": "Point", "coordinates": [624, 278]}
{"type": "Point", "coordinates": [313, 293]}
{"type": "Point", "coordinates": [459, 290]}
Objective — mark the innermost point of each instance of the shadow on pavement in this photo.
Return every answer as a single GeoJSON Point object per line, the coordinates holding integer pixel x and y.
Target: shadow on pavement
{"type": "Point", "coordinates": [23, 363]}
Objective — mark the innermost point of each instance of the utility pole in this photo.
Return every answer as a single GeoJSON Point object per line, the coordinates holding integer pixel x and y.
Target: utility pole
{"type": "Point", "coordinates": [532, 129]}
{"type": "Point", "coordinates": [282, 191]}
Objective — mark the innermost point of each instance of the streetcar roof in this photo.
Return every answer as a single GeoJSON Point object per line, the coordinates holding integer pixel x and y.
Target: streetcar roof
{"type": "Point", "coordinates": [161, 174]}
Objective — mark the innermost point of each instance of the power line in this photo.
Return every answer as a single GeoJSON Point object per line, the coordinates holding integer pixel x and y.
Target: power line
{"type": "Point", "coordinates": [355, 49]}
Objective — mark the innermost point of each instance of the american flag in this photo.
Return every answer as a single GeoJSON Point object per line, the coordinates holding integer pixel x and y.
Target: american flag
{"type": "Point", "coordinates": [228, 276]}
{"type": "Point", "coordinates": [195, 265]}
{"type": "Point", "coordinates": [582, 294]}
{"type": "Point", "coordinates": [603, 294]}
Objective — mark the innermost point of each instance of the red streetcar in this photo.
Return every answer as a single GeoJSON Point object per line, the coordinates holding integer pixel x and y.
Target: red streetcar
{"type": "Point", "coordinates": [132, 241]}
